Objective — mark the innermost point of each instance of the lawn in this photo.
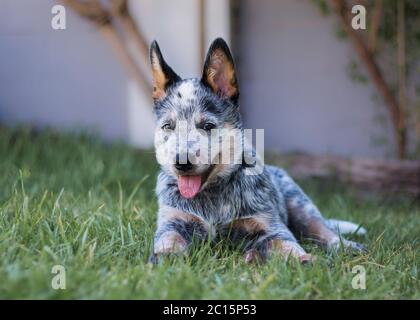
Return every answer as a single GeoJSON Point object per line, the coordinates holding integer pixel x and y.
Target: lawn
{"type": "Point", "coordinates": [74, 201]}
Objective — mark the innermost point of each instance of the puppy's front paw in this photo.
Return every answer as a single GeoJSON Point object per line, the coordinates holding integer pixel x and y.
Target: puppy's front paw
{"type": "Point", "coordinates": [170, 242]}
{"type": "Point", "coordinates": [153, 259]}
{"type": "Point", "coordinates": [307, 259]}
{"type": "Point", "coordinates": [253, 256]}
{"type": "Point", "coordinates": [156, 258]}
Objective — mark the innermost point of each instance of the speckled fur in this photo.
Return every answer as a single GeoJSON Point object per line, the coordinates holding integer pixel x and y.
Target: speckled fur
{"type": "Point", "coordinates": [261, 213]}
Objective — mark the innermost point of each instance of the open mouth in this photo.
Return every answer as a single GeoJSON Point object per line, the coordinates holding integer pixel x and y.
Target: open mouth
{"type": "Point", "coordinates": [190, 185]}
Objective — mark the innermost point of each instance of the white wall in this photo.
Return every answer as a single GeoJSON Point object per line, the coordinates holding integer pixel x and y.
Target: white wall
{"type": "Point", "coordinates": [294, 82]}
{"type": "Point", "coordinates": [72, 80]}
{"type": "Point", "coordinates": [65, 79]}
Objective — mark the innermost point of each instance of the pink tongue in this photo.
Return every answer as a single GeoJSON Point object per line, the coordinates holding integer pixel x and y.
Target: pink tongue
{"type": "Point", "coordinates": [189, 185]}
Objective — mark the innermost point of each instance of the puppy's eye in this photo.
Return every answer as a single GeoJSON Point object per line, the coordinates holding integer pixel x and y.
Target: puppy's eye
{"type": "Point", "coordinates": [167, 126]}
{"type": "Point", "coordinates": [208, 126]}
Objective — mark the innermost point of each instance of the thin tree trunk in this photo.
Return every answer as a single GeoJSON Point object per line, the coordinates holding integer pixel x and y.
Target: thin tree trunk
{"type": "Point", "coordinates": [114, 39]}
{"type": "Point", "coordinates": [201, 29]}
{"type": "Point", "coordinates": [401, 62]}
{"type": "Point", "coordinates": [374, 27]}
{"type": "Point", "coordinates": [376, 76]}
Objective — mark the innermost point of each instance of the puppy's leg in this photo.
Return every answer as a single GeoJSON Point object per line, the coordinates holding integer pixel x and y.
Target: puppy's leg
{"type": "Point", "coordinates": [175, 231]}
{"type": "Point", "coordinates": [262, 236]}
{"type": "Point", "coordinates": [305, 218]}
{"type": "Point", "coordinates": [289, 248]}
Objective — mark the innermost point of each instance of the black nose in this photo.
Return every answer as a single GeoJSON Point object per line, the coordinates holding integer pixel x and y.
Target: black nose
{"type": "Point", "coordinates": [183, 166]}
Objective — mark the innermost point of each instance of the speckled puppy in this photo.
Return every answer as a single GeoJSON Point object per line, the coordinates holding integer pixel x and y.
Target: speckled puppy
{"type": "Point", "coordinates": [261, 213]}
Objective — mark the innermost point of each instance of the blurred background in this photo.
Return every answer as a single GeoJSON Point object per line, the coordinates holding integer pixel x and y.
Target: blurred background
{"type": "Point", "coordinates": [313, 83]}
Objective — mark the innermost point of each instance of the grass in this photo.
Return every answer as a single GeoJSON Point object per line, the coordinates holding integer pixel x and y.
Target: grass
{"type": "Point", "coordinates": [74, 201]}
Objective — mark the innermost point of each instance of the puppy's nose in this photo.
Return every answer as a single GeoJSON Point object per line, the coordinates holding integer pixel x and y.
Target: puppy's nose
{"type": "Point", "coordinates": [183, 166]}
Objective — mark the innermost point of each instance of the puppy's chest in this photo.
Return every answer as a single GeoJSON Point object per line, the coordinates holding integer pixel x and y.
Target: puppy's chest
{"type": "Point", "coordinates": [222, 206]}
{"type": "Point", "coordinates": [220, 219]}
{"type": "Point", "coordinates": [218, 212]}
{"type": "Point", "coordinates": [228, 221]}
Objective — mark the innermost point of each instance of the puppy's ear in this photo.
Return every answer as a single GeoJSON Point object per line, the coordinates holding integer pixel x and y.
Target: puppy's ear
{"type": "Point", "coordinates": [163, 75]}
{"type": "Point", "coordinates": [219, 71]}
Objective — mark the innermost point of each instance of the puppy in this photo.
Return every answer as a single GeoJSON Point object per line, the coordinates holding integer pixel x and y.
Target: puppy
{"type": "Point", "coordinates": [258, 208]}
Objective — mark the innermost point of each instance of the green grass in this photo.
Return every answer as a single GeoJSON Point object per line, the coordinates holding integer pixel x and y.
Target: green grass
{"type": "Point", "coordinates": [74, 201]}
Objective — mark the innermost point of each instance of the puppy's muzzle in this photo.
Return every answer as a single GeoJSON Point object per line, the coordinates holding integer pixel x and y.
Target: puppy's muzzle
{"type": "Point", "coordinates": [183, 167]}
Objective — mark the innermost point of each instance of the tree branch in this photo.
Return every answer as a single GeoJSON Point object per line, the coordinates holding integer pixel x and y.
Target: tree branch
{"type": "Point", "coordinates": [90, 10]}
{"type": "Point", "coordinates": [122, 11]}
{"type": "Point", "coordinates": [374, 26]}
{"type": "Point", "coordinates": [102, 18]}
{"type": "Point", "coordinates": [201, 31]}
{"type": "Point", "coordinates": [377, 78]}
{"type": "Point", "coordinates": [401, 62]}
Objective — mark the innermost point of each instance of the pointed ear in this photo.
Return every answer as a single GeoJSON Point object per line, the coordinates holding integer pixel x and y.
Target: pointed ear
{"type": "Point", "coordinates": [219, 71]}
{"type": "Point", "coordinates": [163, 75]}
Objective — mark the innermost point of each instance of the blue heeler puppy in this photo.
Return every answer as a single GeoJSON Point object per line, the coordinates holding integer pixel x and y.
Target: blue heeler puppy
{"type": "Point", "coordinates": [261, 213]}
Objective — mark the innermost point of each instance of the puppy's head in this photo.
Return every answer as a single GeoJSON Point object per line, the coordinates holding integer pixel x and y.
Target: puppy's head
{"type": "Point", "coordinates": [193, 116]}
